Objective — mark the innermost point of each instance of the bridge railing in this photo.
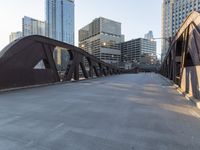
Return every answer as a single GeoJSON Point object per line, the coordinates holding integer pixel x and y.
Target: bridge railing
{"type": "Point", "coordinates": [182, 62]}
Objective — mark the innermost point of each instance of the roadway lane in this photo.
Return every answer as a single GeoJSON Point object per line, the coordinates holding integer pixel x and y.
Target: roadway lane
{"type": "Point", "coordinates": [125, 112]}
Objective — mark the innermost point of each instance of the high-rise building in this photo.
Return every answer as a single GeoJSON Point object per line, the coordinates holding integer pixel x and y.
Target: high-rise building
{"type": "Point", "coordinates": [173, 14]}
{"type": "Point", "coordinates": [100, 39]}
{"type": "Point", "coordinates": [15, 35]}
{"type": "Point", "coordinates": [32, 26]}
{"type": "Point", "coordinates": [149, 35]}
{"type": "Point", "coordinates": [138, 50]}
{"type": "Point", "coordinates": [167, 12]}
{"type": "Point", "coordinates": [60, 20]}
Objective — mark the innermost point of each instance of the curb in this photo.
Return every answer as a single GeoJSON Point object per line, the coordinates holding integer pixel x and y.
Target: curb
{"type": "Point", "coordinates": [50, 84]}
{"type": "Point", "coordinates": [195, 101]}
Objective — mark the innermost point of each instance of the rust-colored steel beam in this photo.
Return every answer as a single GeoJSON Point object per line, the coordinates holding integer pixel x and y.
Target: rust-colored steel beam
{"type": "Point", "coordinates": [19, 63]}
{"type": "Point", "coordinates": [182, 62]}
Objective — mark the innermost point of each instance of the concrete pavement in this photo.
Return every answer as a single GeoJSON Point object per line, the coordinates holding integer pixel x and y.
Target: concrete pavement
{"type": "Point", "coordinates": [124, 112]}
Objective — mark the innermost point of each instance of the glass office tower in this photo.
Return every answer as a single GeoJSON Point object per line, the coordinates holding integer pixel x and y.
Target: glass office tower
{"type": "Point", "coordinates": [60, 20]}
{"type": "Point", "coordinates": [32, 26]}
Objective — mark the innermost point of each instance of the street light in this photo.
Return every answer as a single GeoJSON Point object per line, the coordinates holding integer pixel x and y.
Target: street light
{"type": "Point", "coordinates": [163, 38]}
{"type": "Point", "coordinates": [82, 46]}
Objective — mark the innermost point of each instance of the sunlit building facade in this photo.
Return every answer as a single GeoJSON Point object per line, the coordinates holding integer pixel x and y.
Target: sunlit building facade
{"type": "Point", "coordinates": [174, 13]}
{"type": "Point", "coordinates": [60, 20]}
{"type": "Point", "coordinates": [100, 39]}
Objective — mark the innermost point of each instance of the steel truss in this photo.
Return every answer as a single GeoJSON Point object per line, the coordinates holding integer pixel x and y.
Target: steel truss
{"type": "Point", "coordinates": [18, 61]}
{"type": "Point", "coordinates": [182, 61]}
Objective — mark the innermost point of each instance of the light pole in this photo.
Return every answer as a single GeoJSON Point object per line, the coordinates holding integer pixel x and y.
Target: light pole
{"type": "Point", "coordinates": [82, 46]}
{"type": "Point", "coordinates": [169, 40]}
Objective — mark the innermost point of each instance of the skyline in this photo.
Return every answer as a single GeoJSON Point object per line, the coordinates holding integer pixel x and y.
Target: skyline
{"type": "Point", "coordinates": [133, 25]}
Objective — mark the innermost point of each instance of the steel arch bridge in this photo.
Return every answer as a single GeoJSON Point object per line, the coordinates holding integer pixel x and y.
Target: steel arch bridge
{"type": "Point", "coordinates": [182, 62]}
{"type": "Point", "coordinates": [19, 59]}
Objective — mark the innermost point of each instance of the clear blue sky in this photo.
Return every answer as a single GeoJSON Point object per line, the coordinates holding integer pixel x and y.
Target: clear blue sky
{"type": "Point", "coordinates": [137, 16]}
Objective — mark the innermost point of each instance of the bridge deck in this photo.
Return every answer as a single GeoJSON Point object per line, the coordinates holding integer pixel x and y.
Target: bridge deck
{"type": "Point", "coordinates": [125, 112]}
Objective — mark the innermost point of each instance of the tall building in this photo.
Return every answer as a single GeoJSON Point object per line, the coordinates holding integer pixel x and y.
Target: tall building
{"type": "Point", "coordinates": [100, 39]}
{"type": "Point", "coordinates": [60, 20]}
{"type": "Point", "coordinates": [15, 35]}
{"type": "Point", "coordinates": [167, 12]}
{"type": "Point", "coordinates": [138, 50]}
{"type": "Point", "coordinates": [149, 35]}
{"type": "Point", "coordinates": [32, 26]}
{"type": "Point", "coordinates": [174, 13]}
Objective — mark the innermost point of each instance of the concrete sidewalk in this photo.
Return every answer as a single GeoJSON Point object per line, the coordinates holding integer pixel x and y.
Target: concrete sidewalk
{"type": "Point", "coordinates": [124, 112]}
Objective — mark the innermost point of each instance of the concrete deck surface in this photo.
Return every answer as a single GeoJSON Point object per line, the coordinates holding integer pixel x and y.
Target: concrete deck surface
{"type": "Point", "coordinates": [124, 112]}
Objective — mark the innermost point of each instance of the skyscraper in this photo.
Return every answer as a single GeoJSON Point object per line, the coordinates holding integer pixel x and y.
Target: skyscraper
{"type": "Point", "coordinates": [60, 20]}
{"type": "Point", "coordinates": [32, 26]}
{"type": "Point", "coordinates": [167, 12]}
{"type": "Point", "coordinates": [174, 13]}
{"type": "Point", "coordinates": [149, 35]}
{"type": "Point", "coordinates": [100, 39]}
{"type": "Point", "coordinates": [15, 35]}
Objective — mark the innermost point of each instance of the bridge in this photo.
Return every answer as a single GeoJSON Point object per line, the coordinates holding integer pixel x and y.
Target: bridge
{"type": "Point", "coordinates": [41, 109]}
{"type": "Point", "coordinates": [122, 112]}
{"type": "Point", "coordinates": [182, 62]}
